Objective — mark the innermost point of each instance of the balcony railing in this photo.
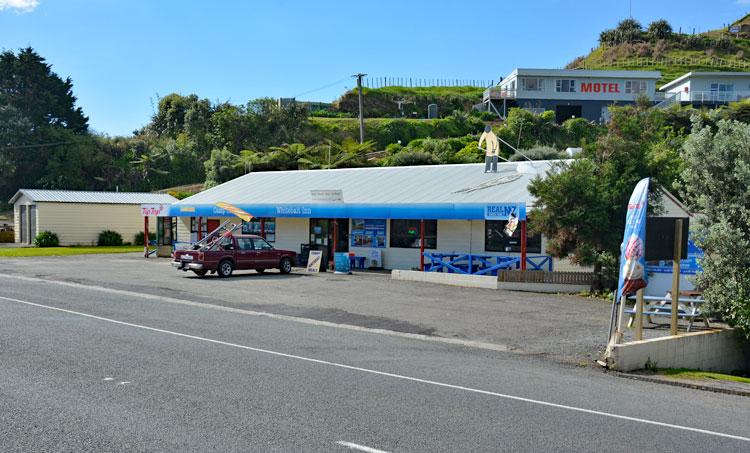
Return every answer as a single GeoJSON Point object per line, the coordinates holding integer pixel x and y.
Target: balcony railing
{"type": "Point", "coordinates": [714, 97]}
{"type": "Point", "coordinates": [498, 93]}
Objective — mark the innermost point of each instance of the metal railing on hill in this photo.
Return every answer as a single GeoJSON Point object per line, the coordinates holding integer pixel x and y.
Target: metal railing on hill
{"type": "Point", "coordinates": [387, 81]}
{"type": "Point", "coordinates": [668, 61]}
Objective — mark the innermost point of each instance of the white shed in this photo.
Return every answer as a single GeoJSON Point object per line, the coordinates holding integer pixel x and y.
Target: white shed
{"type": "Point", "coordinates": [77, 217]}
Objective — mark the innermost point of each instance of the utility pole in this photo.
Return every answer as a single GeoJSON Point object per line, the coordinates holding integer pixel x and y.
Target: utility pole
{"type": "Point", "coordinates": [361, 114]}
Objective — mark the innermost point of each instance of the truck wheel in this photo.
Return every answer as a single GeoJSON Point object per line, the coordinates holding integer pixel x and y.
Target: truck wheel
{"type": "Point", "coordinates": [200, 273]}
{"type": "Point", "coordinates": [225, 269]}
{"type": "Point", "coordinates": [285, 266]}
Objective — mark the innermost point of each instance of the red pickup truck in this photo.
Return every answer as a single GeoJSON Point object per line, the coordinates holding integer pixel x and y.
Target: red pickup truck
{"type": "Point", "coordinates": [230, 252]}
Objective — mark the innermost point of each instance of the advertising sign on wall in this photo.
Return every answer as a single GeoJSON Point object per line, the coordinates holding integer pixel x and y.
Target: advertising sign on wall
{"type": "Point", "coordinates": [505, 211]}
{"type": "Point", "coordinates": [368, 233]}
{"type": "Point", "coordinates": [155, 210]}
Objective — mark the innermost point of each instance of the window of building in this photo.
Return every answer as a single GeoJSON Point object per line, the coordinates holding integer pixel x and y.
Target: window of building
{"type": "Point", "coordinates": [253, 227]}
{"type": "Point", "coordinates": [405, 234]}
{"type": "Point", "coordinates": [194, 225]}
{"type": "Point", "coordinates": [722, 87]}
{"type": "Point", "coordinates": [565, 86]}
{"type": "Point", "coordinates": [532, 84]}
{"type": "Point", "coordinates": [636, 86]}
{"type": "Point", "coordinates": [495, 240]}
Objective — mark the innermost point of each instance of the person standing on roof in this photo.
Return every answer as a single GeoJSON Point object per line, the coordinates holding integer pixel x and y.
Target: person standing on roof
{"type": "Point", "coordinates": [492, 150]}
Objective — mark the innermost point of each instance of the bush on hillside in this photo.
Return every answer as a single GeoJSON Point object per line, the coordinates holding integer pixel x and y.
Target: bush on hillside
{"type": "Point", "coordinates": [46, 239]}
{"type": "Point", "coordinates": [659, 29]}
{"type": "Point", "coordinates": [109, 238]}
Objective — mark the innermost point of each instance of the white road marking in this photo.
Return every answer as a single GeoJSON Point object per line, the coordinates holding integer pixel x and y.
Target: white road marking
{"type": "Point", "coordinates": [391, 375]}
{"type": "Point", "coordinates": [108, 379]}
{"type": "Point", "coordinates": [124, 382]}
{"type": "Point", "coordinates": [314, 322]}
{"type": "Point", "coordinates": [359, 447]}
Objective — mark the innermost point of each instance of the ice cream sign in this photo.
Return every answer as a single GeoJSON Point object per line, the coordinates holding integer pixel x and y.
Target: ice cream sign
{"type": "Point", "coordinates": [633, 257]}
{"type": "Point", "coordinates": [155, 210]}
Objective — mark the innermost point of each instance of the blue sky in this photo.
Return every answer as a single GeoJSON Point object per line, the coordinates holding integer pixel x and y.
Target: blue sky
{"type": "Point", "coordinates": [123, 54]}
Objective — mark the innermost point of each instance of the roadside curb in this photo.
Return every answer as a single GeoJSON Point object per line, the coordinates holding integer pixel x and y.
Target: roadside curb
{"type": "Point", "coordinates": [696, 386]}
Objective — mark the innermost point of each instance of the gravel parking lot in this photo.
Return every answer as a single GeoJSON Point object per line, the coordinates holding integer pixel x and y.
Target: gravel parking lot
{"type": "Point", "coordinates": [568, 329]}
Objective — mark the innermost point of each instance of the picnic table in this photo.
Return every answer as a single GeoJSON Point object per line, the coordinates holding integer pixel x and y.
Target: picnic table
{"type": "Point", "coordinates": [687, 308]}
{"type": "Point", "coordinates": [468, 263]}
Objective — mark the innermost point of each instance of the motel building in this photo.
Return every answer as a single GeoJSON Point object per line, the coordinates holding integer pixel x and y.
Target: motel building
{"type": "Point", "coordinates": [387, 215]}
{"type": "Point", "coordinates": [708, 89]}
{"type": "Point", "coordinates": [571, 92]}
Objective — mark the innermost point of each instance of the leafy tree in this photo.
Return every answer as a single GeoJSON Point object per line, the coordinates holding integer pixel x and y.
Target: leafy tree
{"type": "Point", "coordinates": [718, 188]}
{"type": "Point", "coordinates": [28, 84]}
{"type": "Point", "coordinates": [659, 29]}
{"type": "Point", "coordinates": [221, 167]}
{"type": "Point", "coordinates": [581, 205]}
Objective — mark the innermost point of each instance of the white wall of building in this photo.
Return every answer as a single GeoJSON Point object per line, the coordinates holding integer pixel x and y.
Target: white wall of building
{"type": "Point", "coordinates": [81, 223]}
{"type": "Point", "coordinates": [601, 88]}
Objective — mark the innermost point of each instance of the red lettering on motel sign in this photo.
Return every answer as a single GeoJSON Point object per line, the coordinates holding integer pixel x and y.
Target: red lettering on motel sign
{"type": "Point", "coordinates": [595, 87]}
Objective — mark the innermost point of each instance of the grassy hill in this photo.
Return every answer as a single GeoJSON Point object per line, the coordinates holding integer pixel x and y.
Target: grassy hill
{"type": "Point", "coordinates": [673, 54]}
{"type": "Point", "coordinates": [380, 102]}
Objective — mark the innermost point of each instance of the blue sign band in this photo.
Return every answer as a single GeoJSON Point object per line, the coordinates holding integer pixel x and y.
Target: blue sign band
{"type": "Point", "coordinates": [444, 211]}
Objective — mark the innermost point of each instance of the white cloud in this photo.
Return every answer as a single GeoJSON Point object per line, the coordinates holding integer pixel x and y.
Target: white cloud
{"type": "Point", "coordinates": [21, 6]}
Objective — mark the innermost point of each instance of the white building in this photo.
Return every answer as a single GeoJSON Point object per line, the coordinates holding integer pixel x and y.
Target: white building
{"type": "Point", "coordinates": [77, 217]}
{"type": "Point", "coordinates": [708, 88]}
{"type": "Point", "coordinates": [571, 92]}
{"type": "Point", "coordinates": [381, 210]}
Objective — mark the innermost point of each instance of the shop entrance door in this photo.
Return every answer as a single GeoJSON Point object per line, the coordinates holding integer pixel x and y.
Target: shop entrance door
{"type": "Point", "coordinates": [212, 224]}
{"type": "Point", "coordinates": [321, 237]}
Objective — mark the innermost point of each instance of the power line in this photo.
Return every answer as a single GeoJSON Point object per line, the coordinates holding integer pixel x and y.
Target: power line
{"type": "Point", "coordinates": [322, 88]}
{"type": "Point", "coordinates": [41, 145]}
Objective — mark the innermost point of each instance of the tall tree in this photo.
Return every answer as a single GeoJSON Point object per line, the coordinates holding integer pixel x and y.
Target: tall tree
{"type": "Point", "coordinates": [717, 187]}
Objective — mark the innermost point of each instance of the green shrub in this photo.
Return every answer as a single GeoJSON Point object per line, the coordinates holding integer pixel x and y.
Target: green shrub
{"type": "Point", "coordinates": [138, 238]}
{"type": "Point", "coordinates": [539, 153]}
{"type": "Point", "coordinates": [46, 239]}
{"type": "Point", "coordinates": [109, 238]}
{"type": "Point", "coordinates": [407, 158]}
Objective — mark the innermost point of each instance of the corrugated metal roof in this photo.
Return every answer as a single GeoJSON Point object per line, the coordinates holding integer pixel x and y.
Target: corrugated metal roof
{"type": "Point", "coordinates": [459, 183]}
{"type": "Point", "coordinates": [79, 196]}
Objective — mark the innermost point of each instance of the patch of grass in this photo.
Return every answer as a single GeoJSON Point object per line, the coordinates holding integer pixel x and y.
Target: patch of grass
{"type": "Point", "coordinates": [65, 251]}
{"type": "Point", "coordinates": [685, 373]}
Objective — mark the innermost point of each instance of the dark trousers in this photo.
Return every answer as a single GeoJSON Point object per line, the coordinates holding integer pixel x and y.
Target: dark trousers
{"type": "Point", "coordinates": [487, 161]}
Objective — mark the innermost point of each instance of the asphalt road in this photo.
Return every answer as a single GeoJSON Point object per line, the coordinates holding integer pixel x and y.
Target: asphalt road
{"type": "Point", "coordinates": [568, 329]}
{"type": "Point", "coordinates": [87, 369]}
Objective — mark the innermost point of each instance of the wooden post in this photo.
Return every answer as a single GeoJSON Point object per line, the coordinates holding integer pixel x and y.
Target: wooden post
{"type": "Point", "coordinates": [145, 236]}
{"type": "Point", "coordinates": [421, 245]}
{"type": "Point", "coordinates": [676, 275]}
{"type": "Point", "coordinates": [263, 227]}
{"type": "Point", "coordinates": [523, 245]}
{"type": "Point", "coordinates": [618, 324]}
{"type": "Point", "coordinates": [333, 246]}
{"type": "Point", "coordinates": [639, 315]}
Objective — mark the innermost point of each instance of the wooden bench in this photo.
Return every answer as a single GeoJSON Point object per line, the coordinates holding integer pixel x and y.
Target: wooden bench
{"type": "Point", "coordinates": [687, 308]}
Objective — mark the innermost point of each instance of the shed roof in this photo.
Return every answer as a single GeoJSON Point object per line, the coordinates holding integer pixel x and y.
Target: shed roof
{"type": "Point", "coordinates": [80, 196]}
